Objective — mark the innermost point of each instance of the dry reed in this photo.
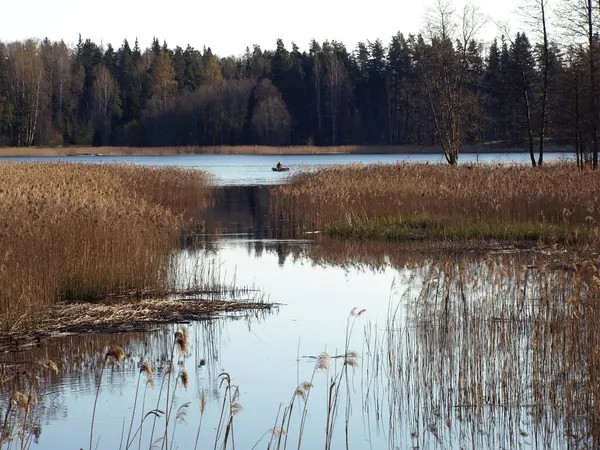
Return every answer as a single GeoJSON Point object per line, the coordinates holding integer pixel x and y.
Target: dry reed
{"type": "Point", "coordinates": [415, 201]}
{"type": "Point", "coordinates": [263, 150]}
{"type": "Point", "coordinates": [490, 353]}
{"type": "Point", "coordinates": [84, 232]}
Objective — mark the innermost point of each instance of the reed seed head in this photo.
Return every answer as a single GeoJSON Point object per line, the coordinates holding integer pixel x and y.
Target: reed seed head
{"type": "Point", "coordinates": [147, 368]}
{"type": "Point", "coordinates": [351, 359]}
{"type": "Point", "coordinates": [236, 408]}
{"type": "Point", "coordinates": [182, 340]}
{"type": "Point", "coordinates": [300, 392]}
{"type": "Point", "coordinates": [184, 379]}
{"type": "Point", "coordinates": [323, 361]}
{"type": "Point", "coordinates": [202, 402]}
{"type": "Point", "coordinates": [116, 352]}
{"type": "Point", "coordinates": [307, 386]}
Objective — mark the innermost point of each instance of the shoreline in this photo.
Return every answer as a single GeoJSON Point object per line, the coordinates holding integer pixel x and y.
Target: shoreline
{"type": "Point", "coordinates": [264, 150]}
{"type": "Point", "coordinates": [106, 317]}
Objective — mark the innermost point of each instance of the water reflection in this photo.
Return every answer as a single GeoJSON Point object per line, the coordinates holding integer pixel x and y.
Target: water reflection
{"type": "Point", "coordinates": [490, 354]}
{"type": "Point", "coordinates": [245, 211]}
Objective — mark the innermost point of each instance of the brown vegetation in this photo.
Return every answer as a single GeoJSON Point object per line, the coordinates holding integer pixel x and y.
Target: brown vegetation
{"type": "Point", "coordinates": [415, 201]}
{"type": "Point", "coordinates": [484, 343]}
{"type": "Point", "coordinates": [118, 317]}
{"type": "Point", "coordinates": [262, 150]}
{"type": "Point", "coordinates": [84, 232]}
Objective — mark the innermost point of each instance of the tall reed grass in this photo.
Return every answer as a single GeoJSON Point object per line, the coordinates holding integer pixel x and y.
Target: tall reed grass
{"type": "Point", "coordinates": [489, 353]}
{"type": "Point", "coordinates": [74, 231]}
{"type": "Point", "coordinates": [268, 150]}
{"type": "Point", "coordinates": [415, 201]}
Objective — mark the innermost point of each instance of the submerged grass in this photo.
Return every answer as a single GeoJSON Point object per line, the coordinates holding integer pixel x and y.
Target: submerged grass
{"type": "Point", "coordinates": [555, 203]}
{"type": "Point", "coordinates": [84, 232]}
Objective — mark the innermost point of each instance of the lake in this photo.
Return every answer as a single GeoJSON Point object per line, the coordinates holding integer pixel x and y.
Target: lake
{"type": "Point", "coordinates": [256, 169]}
{"type": "Point", "coordinates": [465, 349]}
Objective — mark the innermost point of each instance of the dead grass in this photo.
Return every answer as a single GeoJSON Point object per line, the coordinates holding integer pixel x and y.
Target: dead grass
{"type": "Point", "coordinates": [82, 232]}
{"type": "Point", "coordinates": [259, 150]}
{"type": "Point", "coordinates": [419, 201]}
{"type": "Point", "coordinates": [476, 345]}
{"type": "Point", "coordinates": [85, 317]}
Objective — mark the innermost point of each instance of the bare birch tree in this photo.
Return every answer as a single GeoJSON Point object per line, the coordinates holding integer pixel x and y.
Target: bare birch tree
{"type": "Point", "coordinates": [447, 73]}
{"type": "Point", "coordinates": [335, 77]}
{"type": "Point", "coordinates": [164, 86]}
{"type": "Point", "coordinates": [105, 100]}
{"type": "Point", "coordinates": [57, 62]}
{"type": "Point", "coordinates": [535, 14]}
{"type": "Point", "coordinates": [26, 77]}
{"type": "Point", "coordinates": [316, 77]}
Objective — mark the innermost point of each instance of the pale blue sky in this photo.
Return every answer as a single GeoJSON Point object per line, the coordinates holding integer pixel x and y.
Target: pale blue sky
{"type": "Point", "coordinates": [226, 26]}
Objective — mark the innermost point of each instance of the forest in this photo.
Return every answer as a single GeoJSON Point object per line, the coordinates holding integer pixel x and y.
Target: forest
{"type": "Point", "coordinates": [444, 86]}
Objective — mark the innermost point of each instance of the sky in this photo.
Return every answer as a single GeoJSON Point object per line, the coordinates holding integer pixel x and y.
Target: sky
{"type": "Point", "coordinates": [225, 26]}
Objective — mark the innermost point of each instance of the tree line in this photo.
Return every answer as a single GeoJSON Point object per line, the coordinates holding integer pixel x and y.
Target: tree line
{"type": "Point", "coordinates": [442, 86]}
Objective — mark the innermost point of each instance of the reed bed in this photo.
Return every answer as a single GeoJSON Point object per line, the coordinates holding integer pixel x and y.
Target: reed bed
{"type": "Point", "coordinates": [263, 150]}
{"type": "Point", "coordinates": [200, 150]}
{"type": "Point", "coordinates": [84, 232]}
{"type": "Point", "coordinates": [415, 201]}
{"type": "Point", "coordinates": [489, 354]}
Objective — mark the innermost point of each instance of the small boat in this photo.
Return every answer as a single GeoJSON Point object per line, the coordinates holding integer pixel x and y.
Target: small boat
{"type": "Point", "coordinates": [280, 169]}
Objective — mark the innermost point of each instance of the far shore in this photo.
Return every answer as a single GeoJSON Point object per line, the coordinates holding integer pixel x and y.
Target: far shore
{"type": "Point", "coordinates": [264, 150]}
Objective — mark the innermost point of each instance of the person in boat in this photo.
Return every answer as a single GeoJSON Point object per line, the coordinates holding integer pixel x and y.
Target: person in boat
{"type": "Point", "coordinates": [279, 166]}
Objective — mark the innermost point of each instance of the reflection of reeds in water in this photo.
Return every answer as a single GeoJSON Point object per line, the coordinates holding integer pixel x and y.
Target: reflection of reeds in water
{"type": "Point", "coordinates": [84, 232]}
{"type": "Point", "coordinates": [490, 355]}
{"type": "Point", "coordinates": [19, 421]}
{"type": "Point", "coordinates": [157, 426]}
{"type": "Point", "coordinates": [495, 351]}
{"type": "Point", "coordinates": [81, 360]}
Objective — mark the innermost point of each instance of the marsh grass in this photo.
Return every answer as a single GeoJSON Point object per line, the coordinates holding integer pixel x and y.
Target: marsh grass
{"type": "Point", "coordinates": [556, 203]}
{"type": "Point", "coordinates": [490, 147]}
{"type": "Point", "coordinates": [173, 379]}
{"type": "Point", "coordinates": [421, 228]}
{"type": "Point", "coordinates": [85, 232]}
{"type": "Point", "coordinates": [488, 354]}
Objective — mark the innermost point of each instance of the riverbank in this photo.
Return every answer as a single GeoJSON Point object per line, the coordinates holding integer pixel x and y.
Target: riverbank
{"type": "Point", "coordinates": [263, 150]}
{"type": "Point", "coordinates": [554, 204]}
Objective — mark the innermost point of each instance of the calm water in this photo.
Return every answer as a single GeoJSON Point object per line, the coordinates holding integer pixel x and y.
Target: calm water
{"type": "Point", "coordinates": [256, 169]}
{"type": "Point", "coordinates": [448, 348]}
